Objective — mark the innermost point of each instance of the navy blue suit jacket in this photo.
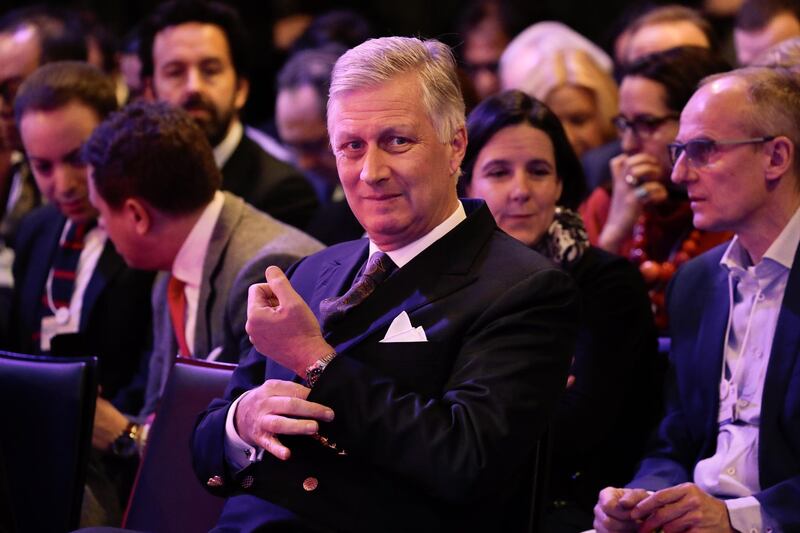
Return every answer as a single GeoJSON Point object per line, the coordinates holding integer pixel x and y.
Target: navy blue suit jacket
{"type": "Point", "coordinates": [115, 317]}
{"type": "Point", "coordinates": [436, 434]}
{"type": "Point", "coordinates": [698, 313]}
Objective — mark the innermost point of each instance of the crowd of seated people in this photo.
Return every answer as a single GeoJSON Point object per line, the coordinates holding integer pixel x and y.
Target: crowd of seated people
{"type": "Point", "coordinates": [515, 221]}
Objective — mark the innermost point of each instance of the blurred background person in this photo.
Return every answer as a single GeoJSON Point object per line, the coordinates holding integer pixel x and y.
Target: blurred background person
{"type": "Point", "coordinates": [520, 161]}
{"type": "Point", "coordinates": [29, 37]}
{"type": "Point", "coordinates": [785, 54]}
{"type": "Point", "coordinates": [301, 119]}
{"type": "Point", "coordinates": [581, 94]}
{"type": "Point", "coordinates": [761, 24]}
{"type": "Point", "coordinates": [195, 55]}
{"type": "Point", "coordinates": [485, 30]}
{"type": "Point", "coordinates": [640, 214]}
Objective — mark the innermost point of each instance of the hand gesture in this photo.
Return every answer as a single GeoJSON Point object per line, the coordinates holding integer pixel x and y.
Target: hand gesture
{"type": "Point", "coordinates": [684, 507]}
{"type": "Point", "coordinates": [614, 507]}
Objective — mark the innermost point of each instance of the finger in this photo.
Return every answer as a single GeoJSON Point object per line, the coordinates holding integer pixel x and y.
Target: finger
{"type": "Point", "coordinates": [273, 446]}
{"type": "Point", "coordinates": [281, 425]}
{"type": "Point", "coordinates": [259, 296]}
{"type": "Point", "coordinates": [280, 285]}
{"type": "Point", "coordinates": [605, 522]}
{"type": "Point", "coordinates": [281, 387]}
{"type": "Point", "coordinates": [287, 405]}
{"type": "Point", "coordinates": [658, 499]}
{"type": "Point", "coordinates": [663, 518]}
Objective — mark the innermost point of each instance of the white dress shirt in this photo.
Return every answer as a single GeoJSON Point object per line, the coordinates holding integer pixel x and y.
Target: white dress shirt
{"type": "Point", "coordinates": [756, 294]}
{"type": "Point", "coordinates": [188, 264]}
{"type": "Point", "coordinates": [237, 452]}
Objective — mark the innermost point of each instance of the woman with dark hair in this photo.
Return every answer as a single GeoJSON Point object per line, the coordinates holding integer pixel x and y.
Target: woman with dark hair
{"type": "Point", "coordinates": [520, 161]}
{"type": "Point", "coordinates": [641, 214]}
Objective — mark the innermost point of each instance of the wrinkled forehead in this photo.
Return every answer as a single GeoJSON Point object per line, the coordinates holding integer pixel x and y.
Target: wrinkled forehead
{"type": "Point", "coordinates": [721, 105]}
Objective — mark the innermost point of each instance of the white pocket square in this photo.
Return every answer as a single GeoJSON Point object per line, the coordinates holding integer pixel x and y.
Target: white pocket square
{"type": "Point", "coordinates": [401, 330]}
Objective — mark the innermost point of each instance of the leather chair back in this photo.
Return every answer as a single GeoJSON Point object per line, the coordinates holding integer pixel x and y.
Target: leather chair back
{"type": "Point", "coordinates": [45, 437]}
{"type": "Point", "coordinates": [166, 496]}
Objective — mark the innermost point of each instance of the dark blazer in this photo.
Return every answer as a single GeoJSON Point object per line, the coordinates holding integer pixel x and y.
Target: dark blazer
{"type": "Point", "coordinates": [617, 369]}
{"type": "Point", "coordinates": [698, 313]}
{"type": "Point", "coordinates": [115, 318]}
{"type": "Point", "coordinates": [268, 184]}
{"type": "Point", "coordinates": [436, 434]}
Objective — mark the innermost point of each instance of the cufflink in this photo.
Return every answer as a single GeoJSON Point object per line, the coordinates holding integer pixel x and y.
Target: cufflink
{"type": "Point", "coordinates": [247, 482]}
{"type": "Point", "coordinates": [215, 481]}
{"type": "Point", "coordinates": [310, 484]}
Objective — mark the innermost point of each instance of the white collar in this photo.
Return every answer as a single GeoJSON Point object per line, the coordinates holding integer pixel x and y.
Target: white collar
{"type": "Point", "coordinates": [403, 255]}
{"type": "Point", "coordinates": [224, 150]}
{"type": "Point", "coordinates": [782, 250]}
{"type": "Point", "coordinates": [188, 264]}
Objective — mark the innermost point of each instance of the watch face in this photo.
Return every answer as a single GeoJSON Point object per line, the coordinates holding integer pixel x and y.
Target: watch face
{"type": "Point", "coordinates": [124, 446]}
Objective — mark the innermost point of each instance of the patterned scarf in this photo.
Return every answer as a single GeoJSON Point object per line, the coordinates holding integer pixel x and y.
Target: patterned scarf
{"type": "Point", "coordinates": [565, 240]}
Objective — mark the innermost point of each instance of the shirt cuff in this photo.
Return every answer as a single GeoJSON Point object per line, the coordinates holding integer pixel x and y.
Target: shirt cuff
{"type": "Point", "coordinates": [238, 453]}
{"type": "Point", "coordinates": [747, 516]}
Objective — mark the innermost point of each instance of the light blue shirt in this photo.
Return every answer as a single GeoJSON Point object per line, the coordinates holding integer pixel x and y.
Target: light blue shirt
{"type": "Point", "coordinates": [755, 295]}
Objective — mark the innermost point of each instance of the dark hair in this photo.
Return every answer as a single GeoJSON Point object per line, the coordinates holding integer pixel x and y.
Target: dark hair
{"type": "Point", "coordinates": [342, 27]}
{"type": "Point", "coordinates": [311, 67]}
{"type": "Point", "coordinates": [514, 107]}
{"type": "Point", "coordinates": [679, 70]}
{"type": "Point", "coordinates": [756, 14]}
{"type": "Point", "coordinates": [155, 152]}
{"type": "Point", "coordinates": [675, 13]}
{"type": "Point", "coordinates": [178, 12]}
{"type": "Point", "coordinates": [59, 31]}
{"type": "Point", "coordinates": [57, 84]}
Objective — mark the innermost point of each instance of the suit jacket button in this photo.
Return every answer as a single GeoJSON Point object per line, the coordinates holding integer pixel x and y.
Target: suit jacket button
{"type": "Point", "coordinates": [215, 481]}
{"type": "Point", "coordinates": [247, 482]}
{"type": "Point", "coordinates": [310, 483]}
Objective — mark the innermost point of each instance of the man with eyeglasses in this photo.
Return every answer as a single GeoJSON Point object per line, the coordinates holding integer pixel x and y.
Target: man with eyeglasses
{"type": "Point", "coordinates": [726, 456]}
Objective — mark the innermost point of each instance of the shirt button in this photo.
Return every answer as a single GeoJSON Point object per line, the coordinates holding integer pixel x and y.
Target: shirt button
{"type": "Point", "coordinates": [754, 530]}
{"type": "Point", "coordinates": [310, 483]}
{"type": "Point", "coordinates": [731, 471]}
{"type": "Point", "coordinates": [761, 297]}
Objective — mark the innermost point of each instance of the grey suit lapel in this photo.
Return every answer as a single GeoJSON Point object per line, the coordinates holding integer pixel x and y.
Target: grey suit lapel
{"type": "Point", "coordinates": [228, 219]}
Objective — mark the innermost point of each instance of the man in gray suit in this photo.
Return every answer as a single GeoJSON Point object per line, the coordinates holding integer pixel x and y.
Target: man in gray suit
{"type": "Point", "coordinates": [156, 186]}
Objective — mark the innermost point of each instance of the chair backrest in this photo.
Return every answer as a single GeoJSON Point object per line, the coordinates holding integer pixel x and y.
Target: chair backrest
{"type": "Point", "coordinates": [166, 496]}
{"type": "Point", "coordinates": [45, 437]}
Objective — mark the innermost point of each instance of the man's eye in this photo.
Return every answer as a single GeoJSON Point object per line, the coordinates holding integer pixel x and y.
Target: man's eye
{"type": "Point", "coordinates": [43, 168]}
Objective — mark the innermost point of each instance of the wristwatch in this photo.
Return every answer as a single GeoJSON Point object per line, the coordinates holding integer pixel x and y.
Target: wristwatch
{"type": "Point", "coordinates": [125, 444]}
{"type": "Point", "coordinates": [314, 370]}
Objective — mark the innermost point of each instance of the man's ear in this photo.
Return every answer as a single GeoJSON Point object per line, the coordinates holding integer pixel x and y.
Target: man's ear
{"type": "Point", "coordinates": [242, 92]}
{"type": "Point", "coordinates": [459, 147]}
{"type": "Point", "coordinates": [138, 216]}
{"type": "Point", "coordinates": [780, 152]}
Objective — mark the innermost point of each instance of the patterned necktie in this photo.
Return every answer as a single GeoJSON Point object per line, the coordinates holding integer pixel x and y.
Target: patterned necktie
{"type": "Point", "coordinates": [64, 272]}
{"type": "Point", "coordinates": [176, 301]}
{"type": "Point", "coordinates": [379, 267]}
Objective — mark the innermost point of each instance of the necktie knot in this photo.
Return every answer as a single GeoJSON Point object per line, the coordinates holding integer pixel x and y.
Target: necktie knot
{"type": "Point", "coordinates": [379, 267]}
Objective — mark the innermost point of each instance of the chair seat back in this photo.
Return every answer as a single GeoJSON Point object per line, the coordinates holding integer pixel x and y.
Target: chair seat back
{"type": "Point", "coordinates": [166, 496]}
{"type": "Point", "coordinates": [45, 437]}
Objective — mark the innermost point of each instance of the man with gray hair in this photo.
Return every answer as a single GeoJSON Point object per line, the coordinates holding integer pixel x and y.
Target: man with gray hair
{"type": "Point", "coordinates": [408, 375]}
{"type": "Point", "coordinates": [726, 456]}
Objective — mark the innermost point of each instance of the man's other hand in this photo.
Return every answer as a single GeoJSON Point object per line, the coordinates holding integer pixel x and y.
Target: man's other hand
{"type": "Point", "coordinates": [109, 424]}
{"type": "Point", "coordinates": [683, 507]}
{"type": "Point", "coordinates": [613, 509]}
{"type": "Point", "coordinates": [278, 408]}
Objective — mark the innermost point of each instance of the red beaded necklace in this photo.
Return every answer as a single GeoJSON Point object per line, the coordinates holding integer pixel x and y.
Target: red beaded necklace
{"type": "Point", "coordinates": [657, 274]}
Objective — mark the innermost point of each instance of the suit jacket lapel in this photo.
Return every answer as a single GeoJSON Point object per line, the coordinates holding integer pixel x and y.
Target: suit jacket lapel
{"type": "Point", "coordinates": [785, 346]}
{"type": "Point", "coordinates": [438, 271]}
{"type": "Point", "coordinates": [108, 265]}
{"type": "Point", "coordinates": [226, 223]}
{"type": "Point", "coordinates": [709, 351]}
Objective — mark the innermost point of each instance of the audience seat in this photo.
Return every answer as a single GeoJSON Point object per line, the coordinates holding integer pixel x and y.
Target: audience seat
{"type": "Point", "coordinates": [45, 439]}
{"type": "Point", "coordinates": [166, 496]}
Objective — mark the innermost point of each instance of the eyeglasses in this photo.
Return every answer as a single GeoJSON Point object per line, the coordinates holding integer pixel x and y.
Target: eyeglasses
{"type": "Point", "coordinates": [699, 150]}
{"type": "Point", "coordinates": [642, 125]}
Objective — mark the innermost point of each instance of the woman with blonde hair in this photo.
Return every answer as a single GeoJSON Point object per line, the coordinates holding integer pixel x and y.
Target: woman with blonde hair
{"type": "Point", "coordinates": [555, 65]}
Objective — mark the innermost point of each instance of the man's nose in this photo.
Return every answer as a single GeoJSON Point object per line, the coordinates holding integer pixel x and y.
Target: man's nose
{"type": "Point", "coordinates": [374, 168]}
{"type": "Point", "coordinates": [66, 180]}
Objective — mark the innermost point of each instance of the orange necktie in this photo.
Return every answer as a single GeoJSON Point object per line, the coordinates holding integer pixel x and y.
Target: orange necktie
{"type": "Point", "coordinates": [176, 300]}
